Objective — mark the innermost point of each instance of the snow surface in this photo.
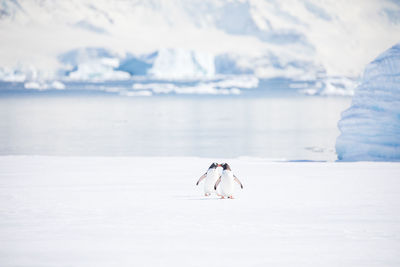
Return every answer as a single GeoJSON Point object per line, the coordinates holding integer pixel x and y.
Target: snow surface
{"type": "Point", "coordinates": [83, 211]}
{"type": "Point", "coordinates": [370, 128]}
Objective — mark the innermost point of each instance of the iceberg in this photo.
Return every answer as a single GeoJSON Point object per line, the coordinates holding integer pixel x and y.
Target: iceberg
{"type": "Point", "coordinates": [92, 64]}
{"type": "Point", "coordinates": [370, 128]}
{"type": "Point", "coordinates": [227, 86]}
{"type": "Point", "coordinates": [12, 75]}
{"type": "Point", "coordinates": [328, 86]}
{"type": "Point", "coordinates": [98, 70]}
{"type": "Point", "coordinates": [137, 65]}
{"type": "Point", "coordinates": [182, 63]}
{"type": "Point", "coordinates": [99, 64]}
{"type": "Point", "coordinates": [41, 86]}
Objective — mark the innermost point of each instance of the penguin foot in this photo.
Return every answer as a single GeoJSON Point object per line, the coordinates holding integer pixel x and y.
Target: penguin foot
{"type": "Point", "coordinates": [207, 194]}
{"type": "Point", "coordinates": [222, 197]}
{"type": "Point", "coordinates": [231, 197]}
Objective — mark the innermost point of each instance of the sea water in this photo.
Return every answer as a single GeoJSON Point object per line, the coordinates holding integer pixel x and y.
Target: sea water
{"type": "Point", "coordinates": [281, 128]}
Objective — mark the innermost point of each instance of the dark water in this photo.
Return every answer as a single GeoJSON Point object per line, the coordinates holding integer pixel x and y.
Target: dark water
{"type": "Point", "coordinates": [292, 128]}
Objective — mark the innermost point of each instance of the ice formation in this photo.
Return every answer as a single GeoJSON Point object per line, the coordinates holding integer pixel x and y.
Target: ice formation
{"type": "Point", "coordinates": [267, 39]}
{"type": "Point", "coordinates": [370, 128]}
{"type": "Point", "coordinates": [226, 86]}
{"type": "Point", "coordinates": [181, 63]}
{"type": "Point", "coordinates": [328, 86]}
{"type": "Point", "coordinates": [11, 75]}
{"type": "Point", "coordinates": [137, 64]}
{"type": "Point", "coordinates": [92, 64]}
{"type": "Point", "coordinates": [34, 85]}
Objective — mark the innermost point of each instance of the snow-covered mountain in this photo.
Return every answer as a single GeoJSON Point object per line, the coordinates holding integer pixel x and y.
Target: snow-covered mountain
{"type": "Point", "coordinates": [177, 39]}
{"type": "Point", "coordinates": [371, 126]}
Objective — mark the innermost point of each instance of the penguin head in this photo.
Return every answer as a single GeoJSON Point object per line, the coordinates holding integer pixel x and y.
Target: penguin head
{"type": "Point", "coordinates": [214, 165]}
{"type": "Point", "coordinates": [225, 167]}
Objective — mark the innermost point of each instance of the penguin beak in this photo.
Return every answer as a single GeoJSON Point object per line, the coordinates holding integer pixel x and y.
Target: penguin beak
{"type": "Point", "coordinates": [219, 165]}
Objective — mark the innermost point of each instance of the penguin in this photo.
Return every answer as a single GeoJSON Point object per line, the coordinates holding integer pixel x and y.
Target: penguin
{"type": "Point", "coordinates": [211, 177]}
{"type": "Point", "coordinates": [227, 179]}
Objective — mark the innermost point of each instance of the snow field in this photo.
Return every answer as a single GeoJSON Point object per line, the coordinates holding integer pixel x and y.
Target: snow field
{"type": "Point", "coordinates": [86, 211]}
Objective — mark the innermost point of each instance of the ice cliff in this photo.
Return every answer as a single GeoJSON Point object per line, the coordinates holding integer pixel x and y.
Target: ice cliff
{"type": "Point", "coordinates": [370, 128]}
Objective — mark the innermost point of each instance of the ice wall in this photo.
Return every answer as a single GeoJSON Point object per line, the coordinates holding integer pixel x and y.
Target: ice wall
{"type": "Point", "coordinates": [181, 63]}
{"type": "Point", "coordinates": [370, 128]}
{"type": "Point", "coordinates": [92, 64]}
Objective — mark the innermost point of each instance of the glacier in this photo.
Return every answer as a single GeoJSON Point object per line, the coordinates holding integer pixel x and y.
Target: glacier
{"type": "Point", "coordinates": [164, 71]}
{"type": "Point", "coordinates": [100, 64]}
{"type": "Point", "coordinates": [370, 128]}
{"type": "Point", "coordinates": [172, 70]}
{"type": "Point", "coordinates": [97, 41]}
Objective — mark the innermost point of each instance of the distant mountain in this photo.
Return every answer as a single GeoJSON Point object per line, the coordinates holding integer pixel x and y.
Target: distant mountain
{"type": "Point", "coordinates": [175, 39]}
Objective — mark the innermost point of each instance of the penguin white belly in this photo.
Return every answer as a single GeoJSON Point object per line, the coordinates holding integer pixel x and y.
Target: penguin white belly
{"type": "Point", "coordinates": [227, 184]}
{"type": "Point", "coordinates": [211, 179]}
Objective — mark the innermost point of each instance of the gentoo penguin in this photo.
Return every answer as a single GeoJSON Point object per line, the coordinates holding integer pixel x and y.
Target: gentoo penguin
{"type": "Point", "coordinates": [227, 182]}
{"type": "Point", "coordinates": [211, 177]}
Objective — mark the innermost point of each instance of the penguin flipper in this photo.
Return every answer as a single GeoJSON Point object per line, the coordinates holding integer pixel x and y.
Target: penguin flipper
{"type": "Point", "coordinates": [237, 180]}
{"type": "Point", "coordinates": [201, 178]}
{"type": "Point", "coordinates": [217, 183]}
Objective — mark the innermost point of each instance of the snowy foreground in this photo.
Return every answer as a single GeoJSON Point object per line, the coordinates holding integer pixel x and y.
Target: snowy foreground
{"type": "Point", "coordinates": [68, 211]}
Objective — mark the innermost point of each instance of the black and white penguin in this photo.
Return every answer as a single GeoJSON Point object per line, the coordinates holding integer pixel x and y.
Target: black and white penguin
{"type": "Point", "coordinates": [211, 177]}
{"type": "Point", "coordinates": [226, 181]}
